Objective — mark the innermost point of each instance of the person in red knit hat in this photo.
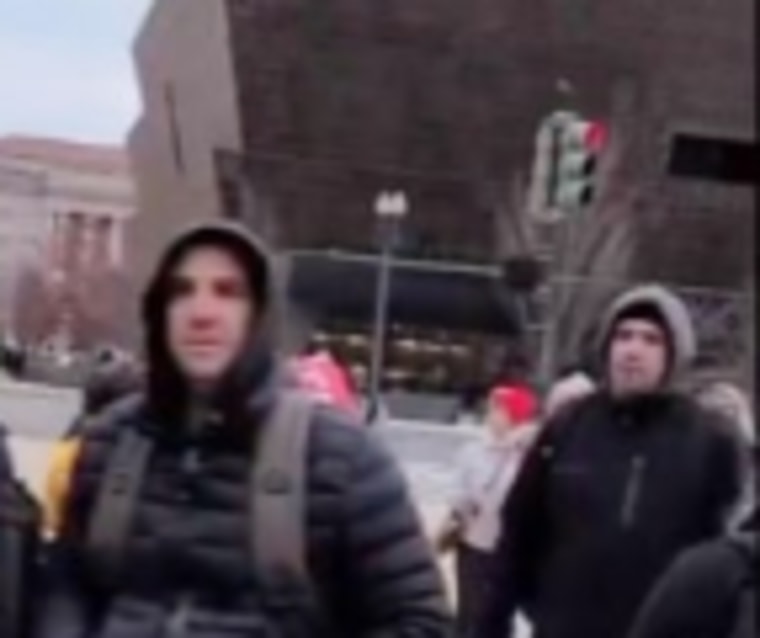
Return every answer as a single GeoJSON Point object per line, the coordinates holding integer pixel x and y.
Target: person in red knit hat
{"type": "Point", "coordinates": [485, 471]}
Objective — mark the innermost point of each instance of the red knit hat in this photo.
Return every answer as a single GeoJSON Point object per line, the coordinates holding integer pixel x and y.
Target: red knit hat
{"type": "Point", "coordinates": [518, 403]}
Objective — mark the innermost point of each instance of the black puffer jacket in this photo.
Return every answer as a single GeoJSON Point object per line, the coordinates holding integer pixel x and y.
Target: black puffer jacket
{"type": "Point", "coordinates": [19, 522]}
{"type": "Point", "coordinates": [611, 493]}
{"type": "Point", "coordinates": [371, 566]}
{"type": "Point", "coordinates": [709, 592]}
{"type": "Point", "coordinates": [369, 559]}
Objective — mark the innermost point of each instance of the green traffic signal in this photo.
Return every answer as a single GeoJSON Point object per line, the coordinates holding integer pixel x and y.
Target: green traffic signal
{"type": "Point", "coordinates": [576, 165]}
{"type": "Point", "coordinates": [574, 194]}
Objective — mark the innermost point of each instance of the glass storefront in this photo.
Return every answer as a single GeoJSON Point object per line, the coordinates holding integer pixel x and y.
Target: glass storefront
{"type": "Point", "coordinates": [416, 359]}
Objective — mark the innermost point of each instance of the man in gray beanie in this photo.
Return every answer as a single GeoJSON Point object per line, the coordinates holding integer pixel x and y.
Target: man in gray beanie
{"type": "Point", "coordinates": [617, 485]}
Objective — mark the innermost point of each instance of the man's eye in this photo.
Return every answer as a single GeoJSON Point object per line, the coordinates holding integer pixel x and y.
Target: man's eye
{"type": "Point", "coordinates": [180, 288]}
{"type": "Point", "coordinates": [231, 289]}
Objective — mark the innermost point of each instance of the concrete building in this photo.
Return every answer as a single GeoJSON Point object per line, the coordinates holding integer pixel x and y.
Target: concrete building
{"type": "Point", "coordinates": [64, 209]}
{"type": "Point", "coordinates": [293, 117]}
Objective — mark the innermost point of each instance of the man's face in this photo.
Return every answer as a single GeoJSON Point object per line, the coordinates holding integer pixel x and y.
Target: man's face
{"type": "Point", "coordinates": [210, 314]}
{"type": "Point", "coordinates": [638, 357]}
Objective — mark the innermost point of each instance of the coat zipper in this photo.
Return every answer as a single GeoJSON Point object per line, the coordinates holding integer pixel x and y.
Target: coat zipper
{"type": "Point", "coordinates": [632, 494]}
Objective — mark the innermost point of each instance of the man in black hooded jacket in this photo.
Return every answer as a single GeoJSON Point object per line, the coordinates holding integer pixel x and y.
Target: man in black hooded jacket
{"type": "Point", "coordinates": [617, 485]}
{"type": "Point", "coordinates": [186, 568]}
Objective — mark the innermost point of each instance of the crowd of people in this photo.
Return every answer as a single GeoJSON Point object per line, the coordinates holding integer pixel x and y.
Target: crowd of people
{"type": "Point", "coordinates": [215, 492]}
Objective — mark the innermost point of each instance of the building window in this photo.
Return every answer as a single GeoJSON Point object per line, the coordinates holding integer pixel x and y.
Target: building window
{"type": "Point", "coordinates": [174, 131]}
{"type": "Point", "coordinates": [722, 160]}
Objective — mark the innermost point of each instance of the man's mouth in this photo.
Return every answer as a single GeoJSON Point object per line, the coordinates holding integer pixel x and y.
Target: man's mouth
{"type": "Point", "coordinates": [202, 345]}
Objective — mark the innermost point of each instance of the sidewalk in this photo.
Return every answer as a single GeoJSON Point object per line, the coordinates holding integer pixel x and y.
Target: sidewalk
{"type": "Point", "coordinates": [31, 457]}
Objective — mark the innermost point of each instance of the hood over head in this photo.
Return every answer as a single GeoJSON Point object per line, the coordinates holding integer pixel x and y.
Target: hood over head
{"type": "Point", "coordinates": [656, 303]}
{"type": "Point", "coordinates": [252, 374]}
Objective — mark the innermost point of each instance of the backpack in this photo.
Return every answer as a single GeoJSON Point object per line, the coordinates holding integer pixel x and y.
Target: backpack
{"type": "Point", "coordinates": [20, 520]}
{"type": "Point", "coordinates": [276, 502]}
{"type": "Point", "coordinates": [744, 605]}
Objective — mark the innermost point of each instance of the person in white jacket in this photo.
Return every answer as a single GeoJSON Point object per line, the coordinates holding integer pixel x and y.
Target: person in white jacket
{"type": "Point", "coordinates": [485, 471]}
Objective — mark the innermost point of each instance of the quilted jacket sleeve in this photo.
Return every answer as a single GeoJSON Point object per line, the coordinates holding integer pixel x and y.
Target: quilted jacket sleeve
{"type": "Point", "coordinates": [392, 566]}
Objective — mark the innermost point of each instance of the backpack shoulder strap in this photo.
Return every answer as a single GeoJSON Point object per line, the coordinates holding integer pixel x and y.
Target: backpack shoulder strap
{"type": "Point", "coordinates": [278, 494]}
{"type": "Point", "coordinates": [112, 516]}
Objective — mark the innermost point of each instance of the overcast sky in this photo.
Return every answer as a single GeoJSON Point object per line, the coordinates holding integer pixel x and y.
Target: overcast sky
{"type": "Point", "coordinates": [56, 81]}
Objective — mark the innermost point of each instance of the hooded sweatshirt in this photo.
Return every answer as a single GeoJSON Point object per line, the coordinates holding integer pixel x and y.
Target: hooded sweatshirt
{"type": "Point", "coordinates": [612, 491]}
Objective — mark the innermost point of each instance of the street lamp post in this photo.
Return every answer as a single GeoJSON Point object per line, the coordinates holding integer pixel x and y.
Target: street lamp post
{"type": "Point", "coordinates": [390, 209]}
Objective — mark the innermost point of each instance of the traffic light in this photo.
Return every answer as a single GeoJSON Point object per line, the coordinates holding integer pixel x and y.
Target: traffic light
{"type": "Point", "coordinates": [542, 175]}
{"type": "Point", "coordinates": [579, 143]}
{"type": "Point", "coordinates": [563, 174]}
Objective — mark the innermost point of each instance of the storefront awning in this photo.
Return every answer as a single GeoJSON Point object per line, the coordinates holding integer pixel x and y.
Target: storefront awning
{"type": "Point", "coordinates": [424, 294]}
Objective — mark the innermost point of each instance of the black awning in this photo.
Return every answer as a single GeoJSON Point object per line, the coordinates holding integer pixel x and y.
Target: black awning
{"type": "Point", "coordinates": [343, 286]}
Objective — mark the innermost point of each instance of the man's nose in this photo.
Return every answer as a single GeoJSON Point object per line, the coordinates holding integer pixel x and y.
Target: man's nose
{"type": "Point", "coordinates": [201, 309]}
{"type": "Point", "coordinates": [631, 351]}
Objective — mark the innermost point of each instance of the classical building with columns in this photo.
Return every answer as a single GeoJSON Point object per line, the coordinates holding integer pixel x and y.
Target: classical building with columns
{"type": "Point", "coordinates": [64, 208]}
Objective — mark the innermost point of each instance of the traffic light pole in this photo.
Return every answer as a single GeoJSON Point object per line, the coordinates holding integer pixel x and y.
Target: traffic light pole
{"type": "Point", "coordinates": [548, 364]}
{"type": "Point", "coordinates": [572, 145]}
{"type": "Point", "coordinates": [548, 351]}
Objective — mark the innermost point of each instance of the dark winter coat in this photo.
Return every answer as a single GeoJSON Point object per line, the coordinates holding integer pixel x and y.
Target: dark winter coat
{"type": "Point", "coordinates": [613, 490]}
{"type": "Point", "coordinates": [709, 592]}
{"type": "Point", "coordinates": [370, 564]}
{"type": "Point", "coordinates": [368, 557]}
{"type": "Point", "coordinates": [610, 494]}
{"type": "Point", "coordinates": [19, 524]}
